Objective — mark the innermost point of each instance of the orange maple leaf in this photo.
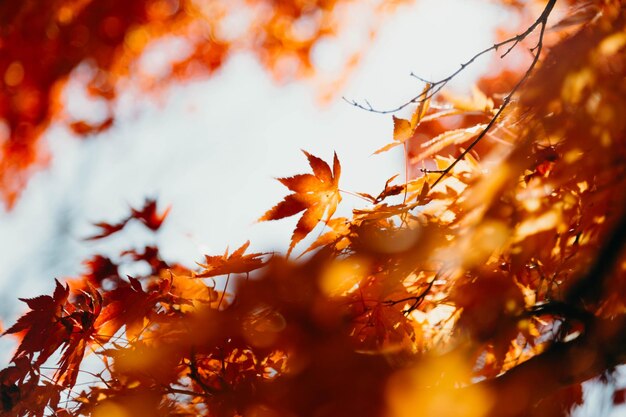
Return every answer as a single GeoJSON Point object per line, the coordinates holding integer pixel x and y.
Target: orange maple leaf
{"type": "Point", "coordinates": [317, 195]}
{"type": "Point", "coordinates": [84, 128]}
{"type": "Point", "coordinates": [236, 263]}
{"type": "Point", "coordinates": [404, 130]}
{"type": "Point", "coordinates": [337, 236]}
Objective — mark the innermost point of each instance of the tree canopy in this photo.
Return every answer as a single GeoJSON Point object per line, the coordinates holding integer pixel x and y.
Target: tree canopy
{"type": "Point", "coordinates": [43, 44]}
{"type": "Point", "coordinates": [489, 281]}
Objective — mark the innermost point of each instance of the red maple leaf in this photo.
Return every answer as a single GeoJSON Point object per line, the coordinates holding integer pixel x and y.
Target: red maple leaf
{"type": "Point", "coordinates": [81, 324]}
{"type": "Point", "coordinates": [41, 328]}
{"type": "Point", "coordinates": [128, 305]}
{"type": "Point", "coordinates": [107, 229]}
{"type": "Point", "coordinates": [55, 323]}
{"type": "Point", "coordinates": [148, 215]}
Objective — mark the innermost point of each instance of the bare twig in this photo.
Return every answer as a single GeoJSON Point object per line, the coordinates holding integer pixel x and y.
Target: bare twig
{"type": "Point", "coordinates": [417, 299]}
{"type": "Point", "coordinates": [436, 86]}
{"type": "Point", "coordinates": [542, 22]}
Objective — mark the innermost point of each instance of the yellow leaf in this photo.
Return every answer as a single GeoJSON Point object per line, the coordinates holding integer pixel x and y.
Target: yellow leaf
{"type": "Point", "coordinates": [478, 102]}
{"type": "Point", "coordinates": [534, 225]}
{"type": "Point", "coordinates": [422, 109]}
{"type": "Point", "coordinates": [612, 44]}
{"type": "Point", "coordinates": [451, 137]}
{"type": "Point", "coordinates": [402, 129]}
{"type": "Point", "coordinates": [387, 147]}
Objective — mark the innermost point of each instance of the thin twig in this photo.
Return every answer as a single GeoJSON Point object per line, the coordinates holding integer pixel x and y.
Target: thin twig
{"type": "Point", "coordinates": [436, 86]}
{"type": "Point", "coordinates": [542, 21]}
{"type": "Point", "coordinates": [417, 299]}
{"type": "Point", "coordinates": [426, 94]}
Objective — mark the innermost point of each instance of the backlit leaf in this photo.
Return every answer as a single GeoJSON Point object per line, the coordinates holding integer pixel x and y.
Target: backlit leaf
{"type": "Point", "coordinates": [317, 195]}
{"type": "Point", "coordinates": [235, 263]}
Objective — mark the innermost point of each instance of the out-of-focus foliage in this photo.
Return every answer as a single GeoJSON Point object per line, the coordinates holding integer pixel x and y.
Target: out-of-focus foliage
{"type": "Point", "coordinates": [42, 42]}
{"type": "Point", "coordinates": [490, 282]}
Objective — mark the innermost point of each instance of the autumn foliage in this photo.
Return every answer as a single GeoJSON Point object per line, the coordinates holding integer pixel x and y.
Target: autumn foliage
{"type": "Point", "coordinates": [488, 282]}
{"type": "Point", "coordinates": [108, 39]}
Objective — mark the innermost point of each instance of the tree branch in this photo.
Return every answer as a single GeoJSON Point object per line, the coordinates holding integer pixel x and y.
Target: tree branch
{"type": "Point", "coordinates": [601, 347]}
{"type": "Point", "coordinates": [591, 354]}
{"type": "Point", "coordinates": [560, 309]}
{"type": "Point", "coordinates": [436, 86]}
{"type": "Point", "coordinates": [542, 21]}
{"type": "Point", "coordinates": [589, 288]}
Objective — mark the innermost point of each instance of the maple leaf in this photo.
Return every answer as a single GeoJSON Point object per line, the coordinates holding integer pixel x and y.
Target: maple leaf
{"type": "Point", "coordinates": [188, 293]}
{"type": "Point", "coordinates": [236, 263]}
{"type": "Point", "coordinates": [337, 236]}
{"type": "Point", "coordinates": [478, 102]}
{"type": "Point", "coordinates": [389, 190]}
{"type": "Point", "coordinates": [53, 323]}
{"type": "Point", "coordinates": [81, 322]}
{"type": "Point", "coordinates": [84, 128]}
{"type": "Point", "coordinates": [451, 137]}
{"type": "Point", "coordinates": [379, 325]}
{"type": "Point", "coordinates": [419, 189]}
{"type": "Point", "coordinates": [379, 212]}
{"type": "Point", "coordinates": [148, 215]}
{"type": "Point", "coordinates": [316, 194]}
{"type": "Point", "coordinates": [42, 330]}
{"type": "Point", "coordinates": [128, 305]}
{"type": "Point", "coordinates": [107, 229]}
{"type": "Point", "coordinates": [150, 255]}
{"type": "Point", "coordinates": [403, 130]}
{"type": "Point", "coordinates": [32, 399]}
{"type": "Point", "coordinates": [100, 268]}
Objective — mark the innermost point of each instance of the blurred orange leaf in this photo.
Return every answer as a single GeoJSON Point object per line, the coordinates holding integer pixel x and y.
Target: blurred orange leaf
{"type": "Point", "coordinates": [236, 263]}
{"type": "Point", "coordinates": [148, 215]}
